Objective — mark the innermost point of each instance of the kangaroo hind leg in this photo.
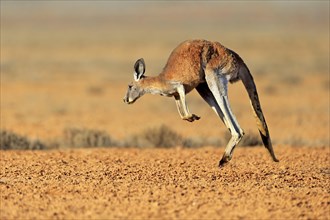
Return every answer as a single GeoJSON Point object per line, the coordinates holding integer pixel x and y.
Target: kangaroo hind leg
{"type": "Point", "coordinates": [217, 84]}
{"type": "Point", "coordinates": [207, 95]}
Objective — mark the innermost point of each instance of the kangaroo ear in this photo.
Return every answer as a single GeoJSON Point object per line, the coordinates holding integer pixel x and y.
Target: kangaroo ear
{"type": "Point", "coordinates": [140, 68]}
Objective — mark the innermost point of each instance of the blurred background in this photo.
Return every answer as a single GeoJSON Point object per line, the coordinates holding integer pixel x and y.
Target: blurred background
{"type": "Point", "coordinates": [67, 64]}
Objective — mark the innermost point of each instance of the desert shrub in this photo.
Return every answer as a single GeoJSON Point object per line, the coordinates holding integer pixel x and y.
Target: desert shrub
{"type": "Point", "coordinates": [12, 141]}
{"type": "Point", "coordinates": [82, 137]}
{"type": "Point", "coordinates": [135, 140]}
{"type": "Point", "coordinates": [162, 136]}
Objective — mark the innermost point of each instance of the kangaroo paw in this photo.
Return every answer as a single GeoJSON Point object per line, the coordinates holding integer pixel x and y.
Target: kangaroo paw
{"type": "Point", "coordinates": [191, 118]}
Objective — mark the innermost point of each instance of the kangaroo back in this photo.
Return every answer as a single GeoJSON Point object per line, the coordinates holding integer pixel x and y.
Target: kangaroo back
{"type": "Point", "coordinates": [247, 79]}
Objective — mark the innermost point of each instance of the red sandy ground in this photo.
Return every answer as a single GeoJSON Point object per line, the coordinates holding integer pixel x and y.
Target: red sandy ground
{"type": "Point", "coordinates": [165, 184]}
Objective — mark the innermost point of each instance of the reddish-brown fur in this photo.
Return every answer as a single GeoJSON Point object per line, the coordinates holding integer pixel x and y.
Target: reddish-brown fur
{"type": "Point", "coordinates": [187, 62]}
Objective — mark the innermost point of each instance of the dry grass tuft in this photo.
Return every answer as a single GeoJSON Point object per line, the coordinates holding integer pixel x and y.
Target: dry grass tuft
{"type": "Point", "coordinates": [162, 136]}
{"type": "Point", "coordinates": [82, 137]}
{"type": "Point", "coordinates": [12, 141]}
{"type": "Point", "coordinates": [165, 137]}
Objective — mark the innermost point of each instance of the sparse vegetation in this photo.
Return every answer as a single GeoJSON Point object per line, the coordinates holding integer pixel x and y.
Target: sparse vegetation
{"type": "Point", "coordinates": [165, 137]}
{"type": "Point", "coordinates": [12, 141]}
{"type": "Point", "coordinates": [157, 137]}
{"type": "Point", "coordinates": [82, 137]}
{"type": "Point", "coordinates": [161, 136]}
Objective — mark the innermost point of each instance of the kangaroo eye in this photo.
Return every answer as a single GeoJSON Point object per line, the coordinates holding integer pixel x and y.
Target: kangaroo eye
{"type": "Point", "coordinates": [129, 86]}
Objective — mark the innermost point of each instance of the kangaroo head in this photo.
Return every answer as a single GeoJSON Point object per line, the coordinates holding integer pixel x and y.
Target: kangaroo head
{"type": "Point", "coordinates": [135, 89]}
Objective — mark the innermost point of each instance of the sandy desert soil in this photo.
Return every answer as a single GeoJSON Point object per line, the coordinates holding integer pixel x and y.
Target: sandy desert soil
{"type": "Point", "coordinates": [165, 183]}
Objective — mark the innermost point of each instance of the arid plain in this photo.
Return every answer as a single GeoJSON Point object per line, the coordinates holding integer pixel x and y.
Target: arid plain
{"type": "Point", "coordinates": [65, 68]}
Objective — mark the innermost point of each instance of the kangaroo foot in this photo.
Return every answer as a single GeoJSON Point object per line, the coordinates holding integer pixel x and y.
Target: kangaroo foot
{"type": "Point", "coordinates": [224, 160]}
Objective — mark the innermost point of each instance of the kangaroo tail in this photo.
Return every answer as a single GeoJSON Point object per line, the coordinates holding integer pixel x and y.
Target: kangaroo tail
{"type": "Point", "coordinates": [247, 79]}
